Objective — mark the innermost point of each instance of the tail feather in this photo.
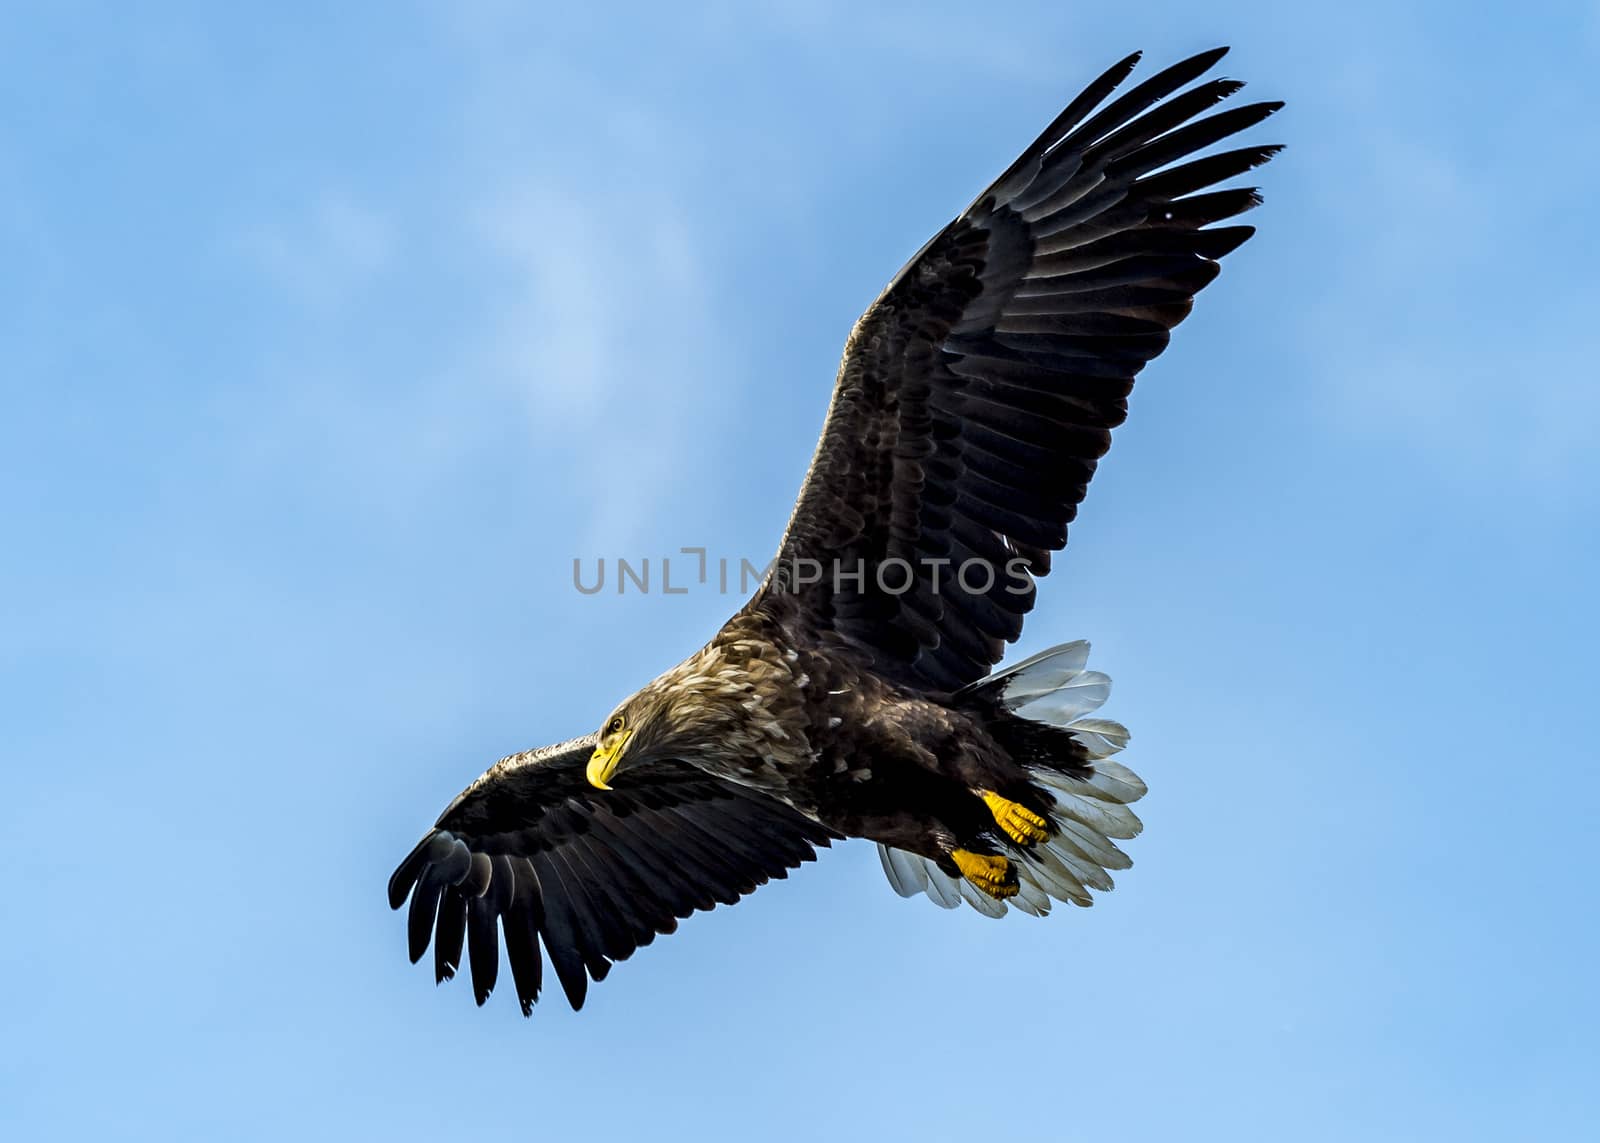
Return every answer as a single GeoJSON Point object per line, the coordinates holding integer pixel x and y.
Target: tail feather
{"type": "Point", "coordinates": [1040, 674]}
{"type": "Point", "coordinates": [1100, 737]}
{"type": "Point", "coordinates": [943, 890]}
{"type": "Point", "coordinates": [1083, 844]}
{"type": "Point", "coordinates": [1109, 819]}
{"type": "Point", "coordinates": [904, 870]}
{"type": "Point", "coordinates": [1083, 694]}
{"type": "Point", "coordinates": [1031, 898]}
{"type": "Point", "coordinates": [1061, 876]}
{"type": "Point", "coordinates": [1047, 703]}
{"type": "Point", "coordinates": [1113, 782]}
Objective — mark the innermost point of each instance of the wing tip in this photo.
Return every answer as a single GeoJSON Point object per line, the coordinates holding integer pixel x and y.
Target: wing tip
{"type": "Point", "coordinates": [405, 875]}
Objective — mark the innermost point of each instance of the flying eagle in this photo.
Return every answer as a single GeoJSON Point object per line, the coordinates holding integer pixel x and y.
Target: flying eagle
{"type": "Point", "coordinates": [852, 695]}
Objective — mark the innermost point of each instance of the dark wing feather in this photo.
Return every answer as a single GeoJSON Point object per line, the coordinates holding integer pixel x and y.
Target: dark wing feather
{"type": "Point", "coordinates": [534, 853]}
{"type": "Point", "coordinates": [978, 393]}
{"type": "Point", "coordinates": [450, 935]}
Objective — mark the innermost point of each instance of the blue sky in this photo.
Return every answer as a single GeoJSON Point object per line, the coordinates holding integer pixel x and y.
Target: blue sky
{"type": "Point", "coordinates": [331, 339]}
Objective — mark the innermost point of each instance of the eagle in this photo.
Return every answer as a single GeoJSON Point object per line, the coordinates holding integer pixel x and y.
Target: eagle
{"type": "Point", "coordinates": [854, 694]}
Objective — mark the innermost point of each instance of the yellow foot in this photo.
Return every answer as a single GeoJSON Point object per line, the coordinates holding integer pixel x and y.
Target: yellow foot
{"type": "Point", "coordinates": [1020, 824]}
{"type": "Point", "coordinates": [993, 875]}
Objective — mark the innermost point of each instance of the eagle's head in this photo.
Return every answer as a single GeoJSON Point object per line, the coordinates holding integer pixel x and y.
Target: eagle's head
{"type": "Point", "coordinates": [708, 711]}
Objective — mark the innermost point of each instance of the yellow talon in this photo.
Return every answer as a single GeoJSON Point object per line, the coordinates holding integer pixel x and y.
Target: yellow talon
{"type": "Point", "coordinates": [1020, 824]}
{"type": "Point", "coordinates": [991, 874]}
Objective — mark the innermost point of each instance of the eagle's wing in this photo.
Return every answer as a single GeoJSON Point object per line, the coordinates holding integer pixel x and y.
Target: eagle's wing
{"type": "Point", "coordinates": [532, 847]}
{"type": "Point", "coordinates": [978, 392]}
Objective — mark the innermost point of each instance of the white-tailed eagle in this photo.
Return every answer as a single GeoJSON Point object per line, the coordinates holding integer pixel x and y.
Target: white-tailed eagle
{"type": "Point", "coordinates": [852, 696]}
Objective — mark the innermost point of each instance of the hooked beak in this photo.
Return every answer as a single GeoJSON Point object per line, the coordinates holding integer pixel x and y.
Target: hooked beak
{"type": "Point", "coordinates": [603, 762]}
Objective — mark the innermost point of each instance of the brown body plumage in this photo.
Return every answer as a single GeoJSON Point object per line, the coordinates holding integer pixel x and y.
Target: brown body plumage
{"type": "Point", "coordinates": [852, 696]}
{"type": "Point", "coordinates": [762, 706]}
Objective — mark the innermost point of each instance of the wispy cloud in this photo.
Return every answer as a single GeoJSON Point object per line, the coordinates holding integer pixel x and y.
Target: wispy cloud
{"type": "Point", "coordinates": [323, 249]}
{"type": "Point", "coordinates": [573, 301]}
{"type": "Point", "coordinates": [1444, 327]}
{"type": "Point", "coordinates": [605, 328]}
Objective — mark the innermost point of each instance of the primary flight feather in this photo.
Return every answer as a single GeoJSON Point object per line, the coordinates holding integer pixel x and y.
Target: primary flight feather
{"type": "Point", "coordinates": [852, 696]}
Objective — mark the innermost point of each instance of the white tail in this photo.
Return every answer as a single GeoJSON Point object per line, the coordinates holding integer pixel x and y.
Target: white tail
{"type": "Point", "coordinates": [1053, 687]}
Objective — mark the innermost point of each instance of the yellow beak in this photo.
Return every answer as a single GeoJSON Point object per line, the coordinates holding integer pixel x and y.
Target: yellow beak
{"type": "Point", "coordinates": [603, 762]}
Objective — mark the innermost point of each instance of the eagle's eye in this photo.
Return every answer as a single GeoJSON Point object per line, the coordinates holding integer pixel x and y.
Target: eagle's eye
{"type": "Point", "coordinates": [615, 725]}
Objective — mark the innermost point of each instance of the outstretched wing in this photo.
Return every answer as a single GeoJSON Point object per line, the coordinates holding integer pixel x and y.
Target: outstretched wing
{"type": "Point", "coordinates": [532, 848]}
{"type": "Point", "coordinates": [979, 391]}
